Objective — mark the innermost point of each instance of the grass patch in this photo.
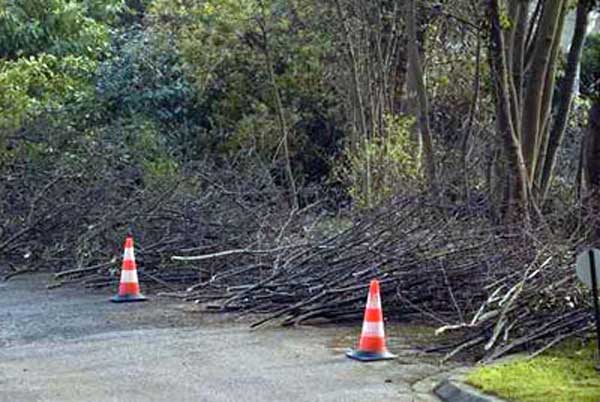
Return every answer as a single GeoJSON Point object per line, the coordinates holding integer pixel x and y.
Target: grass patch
{"type": "Point", "coordinates": [564, 374]}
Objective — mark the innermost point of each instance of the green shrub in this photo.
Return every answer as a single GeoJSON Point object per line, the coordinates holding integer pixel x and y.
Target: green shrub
{"type": "Point", "coordinates": [393, 161]}
{"type": "Point", "coordinates": [146, 147]}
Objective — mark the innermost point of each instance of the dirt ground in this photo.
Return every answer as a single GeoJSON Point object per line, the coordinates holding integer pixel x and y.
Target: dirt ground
{"type": "Point", "coordinates": [73, 345]}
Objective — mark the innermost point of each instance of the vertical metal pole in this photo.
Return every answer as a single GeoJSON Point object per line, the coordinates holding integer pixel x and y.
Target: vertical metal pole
{"type": "Point", "coordinates": [595, 296]}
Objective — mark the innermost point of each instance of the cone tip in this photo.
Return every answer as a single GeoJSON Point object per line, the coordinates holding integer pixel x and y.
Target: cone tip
{"type": "Point", "coordinates": [129, 241]}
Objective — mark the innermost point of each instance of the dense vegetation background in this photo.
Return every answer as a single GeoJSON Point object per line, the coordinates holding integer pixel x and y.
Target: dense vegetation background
{"type": "Point", "coordinates": [274, 155]}
{"type": "Point", "coordinates": [479, 103]}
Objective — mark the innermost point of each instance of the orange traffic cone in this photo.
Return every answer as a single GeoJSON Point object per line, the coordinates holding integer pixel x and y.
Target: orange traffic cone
{"type": "Point", "coordinates": [129, 289]}
{"type": "Point", "coordinates": [372, 339]}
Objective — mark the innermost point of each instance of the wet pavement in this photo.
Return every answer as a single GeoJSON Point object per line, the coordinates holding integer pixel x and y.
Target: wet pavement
{"type": "Point", "coordinates": [71, 344]}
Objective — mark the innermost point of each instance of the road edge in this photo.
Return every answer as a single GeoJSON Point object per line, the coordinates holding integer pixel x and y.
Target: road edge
{"type": "Point", "coordinates": [454, 390]}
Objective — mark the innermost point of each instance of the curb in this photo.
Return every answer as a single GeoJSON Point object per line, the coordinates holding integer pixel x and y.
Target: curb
{"type": "Point", "coordinates": [455, 391]}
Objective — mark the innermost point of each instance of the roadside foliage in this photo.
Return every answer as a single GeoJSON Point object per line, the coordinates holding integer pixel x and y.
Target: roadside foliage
{"type": "Point", "coordinates": [409, 136]}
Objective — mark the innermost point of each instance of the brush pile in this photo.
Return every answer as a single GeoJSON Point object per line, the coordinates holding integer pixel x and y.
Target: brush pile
{"type": "Point", "coordinates": [73, 221]}
{"type": "Point", "coordinates": [230, 243]}
{"type": "Point", "coordinates": [499, 289]}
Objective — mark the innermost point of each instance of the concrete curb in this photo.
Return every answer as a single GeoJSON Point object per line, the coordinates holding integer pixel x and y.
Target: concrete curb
{"type": "Point", "coordinates": [451, 390]}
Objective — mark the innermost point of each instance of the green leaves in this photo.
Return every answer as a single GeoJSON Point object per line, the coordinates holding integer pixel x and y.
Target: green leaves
{"type": "Point", "coordinates": [57, 27]}
{"type": "Point", "coordinates": [48, 55]}
{"type": "Point", "coordinates": [590, 66]}
{"type": "Point", "coordinates": [191, 72]}
{"type": "Point", "coordinates": [145, 76]}
{"type": "Point", "coordinates": [32, 85]}
{"type": "Point", "coordinates": [392, 159]}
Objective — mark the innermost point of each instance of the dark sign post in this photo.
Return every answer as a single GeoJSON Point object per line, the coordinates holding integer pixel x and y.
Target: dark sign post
{"type": "Point", "coordinates": [595, 296]}
{"type": "Point", "coordinates": [587, 272]}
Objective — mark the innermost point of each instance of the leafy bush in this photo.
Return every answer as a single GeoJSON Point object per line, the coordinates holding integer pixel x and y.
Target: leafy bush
{"type": "Point", "coordinates": [392, 160]}
{"type": "Point", "coordinates": [36, 86]}
{"type": "Point", "coordinates": [590, 66]}
{"type": "Point", "coordinates": [136, 143]}
{"type": "Point", "coordinates": [58, 27]}
{"type": "Point", "coordinates": [144, 77]}
{"type": "Point", "coordinates": [222, 47]}
{"type": "Point", "coordinates": [49, 50]}
{"type": "Point", "coordinates": [33, 85]}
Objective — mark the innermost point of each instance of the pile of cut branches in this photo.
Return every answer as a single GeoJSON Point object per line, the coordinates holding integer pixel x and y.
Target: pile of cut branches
{"type": "Point", "coordinates": [230, 242]}
{"type": "Point", "coordinates": [72, 220]}
{"type": "Point", "coordinates": [501, 288]}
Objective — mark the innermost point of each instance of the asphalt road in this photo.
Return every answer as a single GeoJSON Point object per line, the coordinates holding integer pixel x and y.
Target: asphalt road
{"type": "Point", "coordinates": [73, 345]}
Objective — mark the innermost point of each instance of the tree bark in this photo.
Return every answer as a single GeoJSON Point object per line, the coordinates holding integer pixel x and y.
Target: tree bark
{"type": "Point", "coordinates": [280, 113]}
{"type": "Point", "coordinates": [518, 191]}
{"type": "Point", "coordinates": [519, 43]}
{"type": "Point", "coordinates": [359, 136]}
{"type": "Point", "coordinates": [546, 107]}
{"type": "Point", "coordinates": [591, 177]}
{"type": "Point", "coordinates": [416, 72]}
{"type": "Point", "coordinates": [540, 67]}
{"type": "Point", "coordinates": [567, 88]}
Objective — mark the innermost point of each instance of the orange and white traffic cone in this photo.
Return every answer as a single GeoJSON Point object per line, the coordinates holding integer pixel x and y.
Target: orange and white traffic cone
{"type": "Point", "coordinates": [129, 288]}
{"type": "Point", "coordinates": [371, 346]}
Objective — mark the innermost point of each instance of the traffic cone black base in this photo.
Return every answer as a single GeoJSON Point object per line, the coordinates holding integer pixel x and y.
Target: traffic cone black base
{"type": "Point", "coordinates": [128, 298]}
{"type": "Point", "coordinates": [369, 356]}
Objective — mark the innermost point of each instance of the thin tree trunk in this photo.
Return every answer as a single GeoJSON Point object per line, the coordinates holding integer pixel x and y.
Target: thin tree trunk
{"type": "Point", "coordinates": [591, 197]}
{"type": "Point", "coordinates": [548, 96]}
{"type": "Point", "coordinates": [355, 75]}
{"type": "Point", "coordinates": [472, 112]}
{"type": "Point", "coordinates": [412, 108]}
{"type": "Point", "coordinates": [532, 104]}
{"type": "Point", "coordinates": [361, 137]}
{"type": "Point", "coordinates": [518, 191]}
{"type": "Point", "coordinates": [417, 75]}
{"type": "Point", "coordinates": [514, 62]}
{"type": "Point", "coordinates": [519, 43]}
{"type": "Point", "coordinates": [567, 88]}
{"type": "Point", "coordinates": [280, 117]}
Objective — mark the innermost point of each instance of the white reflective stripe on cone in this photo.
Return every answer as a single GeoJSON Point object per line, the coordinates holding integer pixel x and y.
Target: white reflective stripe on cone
{"type": "Point", "coordinates": [374, 302]}
{"type": "Point", "coordinates": [372, 328]}
{"type": "Point", "coordinates": [128, 276]}
{"type": "Point", "coordinates": [128, 254]}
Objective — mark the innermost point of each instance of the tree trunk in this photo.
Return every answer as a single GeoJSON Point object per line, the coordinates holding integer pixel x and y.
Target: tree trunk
{"type": "Point", "coordinates": [280, 117]}
{"type": "Point", "coordinates": [534, 90]}
{"type": "Point", "coordinates": [359, 101]}
{"type": "Point", "coordinates": [519, 46]}
{"type": "Point", "coordinates": [517, 192]}
{"type": "Point", "coordinates": [360, 134]}
{"type": "Point", "coordinates": [591, 169]}
{"type": "Point", "coordinates": [567, 88]}
{"type": "Point", "coordinates": [416, 72]}
{"type": "Point", "coordinates": [547, 97]}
